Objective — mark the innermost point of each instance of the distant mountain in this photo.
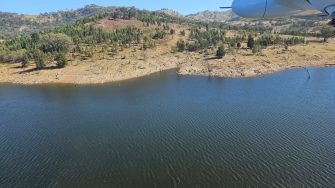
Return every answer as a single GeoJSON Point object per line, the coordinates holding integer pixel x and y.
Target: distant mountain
{"type": "Point", "coordinates": [170, 12]}
{"type": "Point", "coordinates": [12, 24]}
{"type": "Point", "coordinates": [214, 16]}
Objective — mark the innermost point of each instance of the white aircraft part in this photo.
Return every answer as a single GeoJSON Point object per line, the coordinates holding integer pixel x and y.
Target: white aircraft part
{"type": "Point", "coordinates": [250, 8]}
{"type": "Point", "coordinates": [331, 10]}
{"type": "Point", "coordinates": [277, 8]}
{"type": "Point", "coordinates": [323, 5]}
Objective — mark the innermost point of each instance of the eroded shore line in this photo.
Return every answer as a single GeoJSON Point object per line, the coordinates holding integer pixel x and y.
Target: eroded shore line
{"type": "Point", "coordinates": [239, 64]}
{"type": "Point", "coordinates": [207, 74]}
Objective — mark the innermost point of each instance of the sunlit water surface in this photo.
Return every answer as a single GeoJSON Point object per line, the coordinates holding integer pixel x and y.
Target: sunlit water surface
{"type": "Point", "coordinates": [166, 130]}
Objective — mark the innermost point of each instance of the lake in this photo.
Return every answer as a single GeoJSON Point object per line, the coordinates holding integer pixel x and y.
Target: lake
{"type": "Point", "coordinates": [166, 130]}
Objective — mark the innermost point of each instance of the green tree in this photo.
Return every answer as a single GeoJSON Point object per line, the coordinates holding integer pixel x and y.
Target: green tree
{"type": "Point", "coordinates": [35, 37]}
{"type": "Point", "coordinates": [327, 32]}
{"type": "Point", "coordinates": [220, 52]}
{"type": "Point", "coordinates": [55, 42]}
{"type": "Point", "coordinates": [286, 46]}
{"type": "Point", "coordinates": [251, 42]}
{"type": "Point", "coordinates": [61, 60]}
{"type": "Point", "coordinates": [332, 22]}
{"type": "Point", "coordinates": [39, 59]}
{"type": "Point", "coordinates": [181, 45]}
{"type": "Point", "coordinates": [193, 46]}
{"type": "Point", "coordinates": [25, 60]}
{"type": "Point", "coordinates": [239, 45]}
{"type": "Point", "coordinates": [159, 35]}
{"type": "Point", "coordinates": [147, 43]}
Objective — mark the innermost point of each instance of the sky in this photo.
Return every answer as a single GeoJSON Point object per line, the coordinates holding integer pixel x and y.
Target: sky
{"type": "Point", "coordinates": [42, 6]}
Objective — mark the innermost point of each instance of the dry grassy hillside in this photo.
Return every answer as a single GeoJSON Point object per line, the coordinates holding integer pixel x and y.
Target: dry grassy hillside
{"type": "Point", "coordinates": [133, 62]}
{"type": "Point", "coordinates": [103, 49]}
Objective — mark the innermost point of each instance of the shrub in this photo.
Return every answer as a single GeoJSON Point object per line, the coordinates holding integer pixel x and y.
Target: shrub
{"type": "Point", "coordinates": [239, 45]}
{"type": "Point", "coordinates": [220, 52]}
{"type": "Point", "coordinates": [251, 42]}
{"type": "Point", "coordinates": [181, 45]}
{"type": "Point", "coordinates": [10, 58]}
{"type": "Point", "coordinates": [25, 60]}
{"type": "Point", "coordinates": [193, 46]}
{"type": "Point", "coordinates": [327, 32]}
{"type": "Point", "coordinates": [159, 35]}
{"type": "Point", "coordinates": [61, 60]}
{"type": "Point", "coordinates": [35, 37]}
{"type": "Point", "coordinates": [147, 43]}
{"type": "Point", "coordinates": [39, 59]}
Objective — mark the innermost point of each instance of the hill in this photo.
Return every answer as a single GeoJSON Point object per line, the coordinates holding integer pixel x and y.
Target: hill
{"type": "Point", "coordinates": [170, 12]}
{"type": "Point", "coordinates": [214, 16]}
{"type": "Point", "coordinates": [103, 44]}
{"type": "Point", "coordinates": [12, 24]}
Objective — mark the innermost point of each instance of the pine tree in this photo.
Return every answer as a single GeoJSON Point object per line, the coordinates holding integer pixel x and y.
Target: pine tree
{"type": "Point", "coordinates": [25, 60]}
{"type": "Point", "coordinates": [220, 52]}
{"type": "Point", "coordinates": [239, 45]}
{"type": "Point", "coordinates": [39, 59]}
{"type": "Point", "coordinates": [251, 42]}
{"type": "Point", "coordinates": [61, 60]}
{"type": "Point", "coordinates": [181, 45]}
{"type": "Point", "coordinates": [327, 32]}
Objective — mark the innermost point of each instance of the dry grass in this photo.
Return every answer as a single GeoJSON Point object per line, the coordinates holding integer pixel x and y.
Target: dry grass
{"type": "Point", "coordinates": [133, 62]}
{"type": "Point", "coordinates": [109, 24]}
{"type": "Point", "coordinates": [244, 64]}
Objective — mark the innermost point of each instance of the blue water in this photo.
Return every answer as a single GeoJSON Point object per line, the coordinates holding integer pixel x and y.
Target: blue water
{"type": "Point", "coordinates": [166, 130]}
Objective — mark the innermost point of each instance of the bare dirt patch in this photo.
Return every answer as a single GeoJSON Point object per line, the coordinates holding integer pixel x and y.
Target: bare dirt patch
{"type": "Point", "coordinates": [110, 24]}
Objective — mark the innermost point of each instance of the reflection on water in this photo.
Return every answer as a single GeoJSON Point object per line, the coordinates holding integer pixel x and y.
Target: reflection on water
{"type": "Point", "coordinates": [171, 131]}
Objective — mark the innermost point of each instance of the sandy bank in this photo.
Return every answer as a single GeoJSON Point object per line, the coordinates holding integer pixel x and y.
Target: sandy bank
{"type": "Point", "coordinates": [241, 63]}
{"type": "Point", "coordinates": [87, 72]}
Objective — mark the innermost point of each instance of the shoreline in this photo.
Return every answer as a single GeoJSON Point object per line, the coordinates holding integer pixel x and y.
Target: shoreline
{"type": "Point", "coordinates": [259, 74]}
{"type": "Point", "coordinates": [239, 64]}
{"type": "Point", "coordinates": [262, 74]}
{"type": "Point", "coordinates": [169, 69]}
{"type": "Point", "coordinates": [86, 83]}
